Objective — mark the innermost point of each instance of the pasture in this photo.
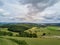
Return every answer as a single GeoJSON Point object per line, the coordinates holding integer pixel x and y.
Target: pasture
{"type": "Point", "coordinates": [40, 40]}
{"type": "Point", "coordinates": [6, 40]}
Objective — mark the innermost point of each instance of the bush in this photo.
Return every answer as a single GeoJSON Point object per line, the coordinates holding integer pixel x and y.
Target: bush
{"type": "Point", "coordinates": [34, 35]}
{"type": "Point", "coordinates": [43, 34]}
{"type": "Point", "coordinates": [17, 28]}
{"type": "Point", "coordinates": [2, 33]}
{"type": "Point", "coordinates": [10, 34]}
{"type": "Point", "coordinates": [24, 34]}
{"type": "Point", "coordinates": [27, 34]}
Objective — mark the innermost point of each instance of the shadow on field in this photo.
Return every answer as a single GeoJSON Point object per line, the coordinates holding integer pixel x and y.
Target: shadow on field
{"type": "Point", "coordinates": [19, 42]}
{"type": "Point", "coordinates": [1, 37]}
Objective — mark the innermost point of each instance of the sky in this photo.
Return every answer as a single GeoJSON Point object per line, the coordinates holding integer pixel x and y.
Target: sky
{"type": "Point", "coordinates": [32, 11]}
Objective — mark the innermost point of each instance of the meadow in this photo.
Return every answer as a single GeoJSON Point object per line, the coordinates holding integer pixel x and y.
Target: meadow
{"type": "Point", "coordinates": [8, 37]}
{"type": "Point", "coordinates": [28, 41]}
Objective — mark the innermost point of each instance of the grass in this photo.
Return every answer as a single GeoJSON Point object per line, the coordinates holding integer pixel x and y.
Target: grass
{"type": "Point", "coordinates": [19, 42]}
{"type": "Point", "coordinates": [7, 40]}
{"type": "Point", "coordinates": [50, 30]}
{"type": "Point", "coordinates": [11, 41]}
{"type": "Point", "coordinates": [33, 41]}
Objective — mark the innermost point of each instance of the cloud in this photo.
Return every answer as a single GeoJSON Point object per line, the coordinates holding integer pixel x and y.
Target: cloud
{"type": "Point", "coordinates": [1, 3]}
{"type": "Point", "coordinates": [39, 4]}
{"type": "Point", "coordinates": [51, 14]}
{"type": "Point", "coordinates": [4, 13]}
{"type": "Point", "coordinates": [30, 11]}
{"type": "Point", "coordinates": [2, 10]}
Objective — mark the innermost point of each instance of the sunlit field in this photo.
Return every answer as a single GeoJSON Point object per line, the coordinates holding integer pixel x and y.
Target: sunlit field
{"type": "Point", "coordinates": [28, 41]}
{"type": "Point", "coordinates": [49, 39]}
{"type": "Point", "coordinates": [29, 22]}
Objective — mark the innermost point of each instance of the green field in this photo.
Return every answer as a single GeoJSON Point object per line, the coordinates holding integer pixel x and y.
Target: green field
{"type": "Point", "coordinates": [40, 40]}
{"type": "Point", "coordinates": [6, 42]}
{"type": "Point", "coordinates": [28, 41]}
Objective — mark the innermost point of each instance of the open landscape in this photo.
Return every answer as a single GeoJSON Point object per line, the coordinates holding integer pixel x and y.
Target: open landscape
{"type": "Point", "coordinates": [29, 22]}
{"type": "Point", "coordinates": [29, 34]}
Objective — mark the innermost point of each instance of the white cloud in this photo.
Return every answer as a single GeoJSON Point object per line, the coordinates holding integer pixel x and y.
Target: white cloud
{"type": "Point", "coordinates": [52, 13]}
{"type": "Point", "coordinates": [13, 11]}
{"type": "Point", "coordinates": [2, 10]}
{"type": "Point", "coordinates": [6, 14]}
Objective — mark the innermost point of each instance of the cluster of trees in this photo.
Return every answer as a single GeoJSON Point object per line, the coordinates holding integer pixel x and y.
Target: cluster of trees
{"type": "Point", "coordinates": [17, 28]}
{"type": "Point", "coordinates": [24, 30]}
{"type": "Point", "coordinates": [26, 34]}
{"type": "Point", "coordinates": [2, 33]}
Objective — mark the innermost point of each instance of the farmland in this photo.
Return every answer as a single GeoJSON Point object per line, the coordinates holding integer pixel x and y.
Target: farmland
{"type": "Point", "coordinates": [28, 41]}
{"type": "Point", "coordinates": [31, 35]}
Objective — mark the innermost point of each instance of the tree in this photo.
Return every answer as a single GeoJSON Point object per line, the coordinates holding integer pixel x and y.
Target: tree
{"type": "Point", "coordinates": [43, 34]}
{"type": "Point", "coordinates": [17, 28]}
{"type": "Point", "coordinates": [34, 35]}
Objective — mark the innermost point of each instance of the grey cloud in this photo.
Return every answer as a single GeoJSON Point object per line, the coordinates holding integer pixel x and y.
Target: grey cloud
{"type": "Point", "coordinates": [1, 14]}
{"type": "Point", "coordinates": [55, 17]}
{"type": "Point", "coordinates": [37, 6]}
{"type": "Point", "coordinates": [32, 1]}
{"type": "Point", "coordinates": [35, 2]}
{"type": "Point", "coordinates": [1, 3]}
{"type": "Point", "coordinates": [50, 17]}
{"type": "Point", "coordinates": [58, 17]}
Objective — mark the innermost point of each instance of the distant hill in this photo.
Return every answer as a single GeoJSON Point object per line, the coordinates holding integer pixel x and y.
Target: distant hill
{"type": "Point", "coordinates": [29, 24]}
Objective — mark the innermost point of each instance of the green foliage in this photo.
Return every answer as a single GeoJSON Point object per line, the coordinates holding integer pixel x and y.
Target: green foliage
{"type": "Point", "coordinates": [17, 28]}
{"type": "Point", "coordinates": [29, 41]}
{"type": "Point", "coordinates": [29, 30]}
{"type": "Point", "coordinates": [10, 34]}
{"type": "Point", "coordinates": [2, 33]}
{"type": "Point", "coordinates": [19, 42]}
{"type": "Point", "coordinates": [43, 34]}
{"type": "Point", "coordinates": [34, 35]}
{"type": "Point", "coordinates": [22, 34]}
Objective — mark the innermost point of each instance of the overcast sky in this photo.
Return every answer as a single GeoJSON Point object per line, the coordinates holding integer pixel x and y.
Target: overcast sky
{"type": "Point", "coordinates": [34, 11]}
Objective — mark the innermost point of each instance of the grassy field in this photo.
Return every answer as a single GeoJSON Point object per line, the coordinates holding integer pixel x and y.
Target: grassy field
{"type": "Point", "coordinates": [50, 31]}
{"type": "Point", "coordinates": [28, 41]}
{"type": "Point", "coordinates": [4, 41]}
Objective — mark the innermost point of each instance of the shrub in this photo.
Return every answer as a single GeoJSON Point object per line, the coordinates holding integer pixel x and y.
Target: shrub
{"type": "Point", "coordinates": [17, 28]}
{"type": "Point", "coordinates": [10, 34]}
{"type": "Point", "coordinates": [2, 33]}
{"type": "Point", "coordinates": [43, 34]}
{"type": "Point", "coordinates": [34, 35]}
